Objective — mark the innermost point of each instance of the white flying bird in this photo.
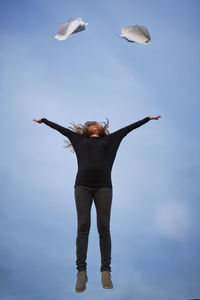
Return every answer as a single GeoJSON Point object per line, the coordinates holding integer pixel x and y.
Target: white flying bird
{"type": "Point", "coordinates": [72, 26]}
{"type": "Point", "coordinates": [136, 34]}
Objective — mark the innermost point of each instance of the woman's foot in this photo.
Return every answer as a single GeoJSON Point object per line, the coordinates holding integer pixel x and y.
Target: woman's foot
{"type": "Point", "coordinates": [106, 280]}
{"type": "Point", "coordinates": [81, 281]}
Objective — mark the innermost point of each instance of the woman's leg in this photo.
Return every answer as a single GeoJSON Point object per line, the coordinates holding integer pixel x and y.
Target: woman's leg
{"type": "Point", "coordinates": [103, 202]}
{"type": "Point", "coordinates": [83, 199]}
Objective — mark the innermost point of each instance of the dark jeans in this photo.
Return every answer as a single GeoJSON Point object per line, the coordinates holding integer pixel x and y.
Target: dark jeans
{"type": "Point", "coordinates": [84, 196]}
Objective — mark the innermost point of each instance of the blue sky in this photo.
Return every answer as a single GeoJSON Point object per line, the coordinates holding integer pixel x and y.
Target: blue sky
{"type": "Point", "coordinates": [92, 75]}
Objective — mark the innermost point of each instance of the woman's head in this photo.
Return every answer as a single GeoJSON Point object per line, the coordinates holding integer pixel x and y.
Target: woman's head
{"type": "Point", "coordinates": [90, 128]}
{"type": "Point", "coordinates": [94, 128]}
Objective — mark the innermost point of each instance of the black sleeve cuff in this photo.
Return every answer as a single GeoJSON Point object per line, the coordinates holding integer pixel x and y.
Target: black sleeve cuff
{"type": "Point", "coordinates": [43, 120]}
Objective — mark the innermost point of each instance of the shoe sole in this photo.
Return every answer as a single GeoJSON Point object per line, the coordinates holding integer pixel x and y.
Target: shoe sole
{"type": "Point", "coordinates": [80, 291]}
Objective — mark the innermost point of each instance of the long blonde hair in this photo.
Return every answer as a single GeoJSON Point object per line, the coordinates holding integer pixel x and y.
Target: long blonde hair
{"type": "Point", "coordinates": [83, 129]}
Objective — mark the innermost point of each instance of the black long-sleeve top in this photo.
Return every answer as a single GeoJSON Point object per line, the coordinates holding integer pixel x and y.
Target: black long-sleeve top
{"type": "Point", "coordinates": [95, 155]}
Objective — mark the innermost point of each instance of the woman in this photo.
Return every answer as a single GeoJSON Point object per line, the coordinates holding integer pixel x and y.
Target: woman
{"type": "Point", "coordinates": [95, 149]}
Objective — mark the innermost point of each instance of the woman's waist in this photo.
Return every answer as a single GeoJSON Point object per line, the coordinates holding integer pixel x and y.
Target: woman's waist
{"type": "Point", "coordinates": [94, 170]}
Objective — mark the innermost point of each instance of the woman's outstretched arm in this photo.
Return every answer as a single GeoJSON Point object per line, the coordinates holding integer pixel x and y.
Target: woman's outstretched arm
{"type": "Point", "coordinates": [63, 130]}
{"type": "Point", "coordinates": [121, 133]}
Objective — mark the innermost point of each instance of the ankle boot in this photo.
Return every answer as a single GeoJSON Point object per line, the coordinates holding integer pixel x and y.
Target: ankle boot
{"type": "Point", "coordinates": [106, 280]}
{"type": "Point", "coordinates": [81, 281]}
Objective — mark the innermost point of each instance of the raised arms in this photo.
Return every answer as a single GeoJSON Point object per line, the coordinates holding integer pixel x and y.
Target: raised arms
{"type": "Point", "coordinates": [120, 133]}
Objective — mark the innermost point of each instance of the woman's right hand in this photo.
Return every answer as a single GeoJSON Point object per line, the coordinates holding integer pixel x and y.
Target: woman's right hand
{"type": "Point", "coordinates": [38, 121]}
